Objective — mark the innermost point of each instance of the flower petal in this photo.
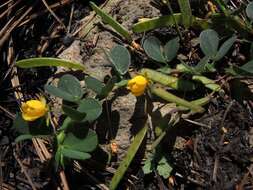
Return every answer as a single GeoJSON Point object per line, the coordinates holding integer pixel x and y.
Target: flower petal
{"type": "Point", "coordinates": [33, 109]}
{"type": "Point", "coordinates": [137, 85]}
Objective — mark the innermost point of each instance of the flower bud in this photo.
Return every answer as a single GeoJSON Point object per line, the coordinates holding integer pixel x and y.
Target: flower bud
{"type": "Point", "coordinates": [137, 85]}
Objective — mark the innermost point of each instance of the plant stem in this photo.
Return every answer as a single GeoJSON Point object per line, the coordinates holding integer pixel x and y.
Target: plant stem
{"type": "Point", "coordinates": [199, 102]}
{"type": "Point", "coordinates": [174, 19]}
{"type": "Point", "coordinates": [175, 119]}
{"type": "Point", "coordinates": [207, 82]}
{"type": "Point", "coordinates": [179, 101]}
{"type": "Point", "coordinates": [108, 114]}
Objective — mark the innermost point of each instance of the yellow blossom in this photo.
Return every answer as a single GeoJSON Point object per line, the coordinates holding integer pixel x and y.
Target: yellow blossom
{"type": "Point", "coordinates": [137, 85]}
{"type": "Point", "coordinates": [34, 109]}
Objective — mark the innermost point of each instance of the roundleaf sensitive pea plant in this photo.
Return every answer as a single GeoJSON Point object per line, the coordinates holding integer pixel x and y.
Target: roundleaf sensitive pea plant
{"type": "Point", "coordinates": [180, 76]}
{"type": "Point", "coordinates": [73, 139]}
{"type": "Point", "coordinates": [186, 86]}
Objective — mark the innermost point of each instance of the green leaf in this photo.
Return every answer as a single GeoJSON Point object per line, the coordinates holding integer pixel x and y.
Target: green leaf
{"type": "Point", "coordinates": [209, 42]}
{"type": "Point", "coordinates": [201, 67]}
{"type": "Point", "coordinates": [29, 137]}
{"type": "Point", "coordinates": [23, 137]}
{"type": "Point", "coordinates": [124, 164]}
{"type": "Point", "coordinates": [164, 168]}
{"type": "Point", "coordinates": [240, 91]}
{"type": "Point", "coordinates": [120, 58]}
{"type": "Point", "coordinates": [84, 144]}
{"type": "Point", "coordinates": [249, 10]}
{"type": "Point", "coordinates": [171, 48]}
{"type": "Point", "coordinates": [94, 84]}
{"type": "Point", "coordinates": [210, 67]}
{"type": "Point", "coordinates": [186, 11]}
{"type": "Point", "coordinates": [232, 70]}
{"type": "Point", "coordinates": [58, 157]}
{"type": "Point", "coordinates": [148, 166]}
{"type": "Point", "coordinates": [201, 102]}
{"type": "Point", "coordinates": [91, 107]}
{"type": "Point", "coordinates": [122, 83]}
{"type": "Point", "coordinates": [153, 48]}
{"type": "Point", "coordinates": [167, 21]}
{"type": "Point", "coordinates": [108, 87]}
{"type": "Point", "coordinates": [39, 128]}
{"type": "Point", "coordinates": [73, 113]}
{"type": "Point", "coordinates": [184, 68]}
{"type": "Point", "coordinates": [112, 22]}
{"type": "Point", "coordinates": [68, 122]}
{"type": "Point", "coordinates": [230, 23]}
{"type": "Point", "coordinates": [157, 22]}
{"type": "Point", "coordinates": [165, 70]}
{"type": "Point", "coordinates": [245, 70]}
{"type": "Point", "coordinates": [248, 67]}
{"type": "Point", "coordinates": [60, 137]}
{"type": "Point", "coordinates": [99, 88]}
{"type": "Point", "coordinates": [60, 93]}
{"type": "Point", "coordinates": [168, 80]}
{"type": "Point", "coordinates": [251, 50]}
{"type": "Point", "coordinates": [48, 62]}
{"type": "Point", "coordinates": [69, 88]}
{"type": "Point", "coordinates": [35, 128]}
{"type": "Point", "coordinates": [73, 154]}
{"type": "Point", "coordinates": [71, 85]}
{"type": "Point", "coordinates": [20, 125]}
{"type": "Point", "coordinates": [225, 48]}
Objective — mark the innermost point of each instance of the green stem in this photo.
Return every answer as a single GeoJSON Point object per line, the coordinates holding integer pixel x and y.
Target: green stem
{"type": "Point", "coordinates": [185, 8]}
{"type": "Point", "coordinates": [174, 120]}
{"type": "Point", "coordinates": [179, 101]}
{"type": "Point", "coordinates": [131, 152]}
{"type": "Point", "coordinates": [207, 82]}
{"type": "Point", "coordinates": [60, 137]}
{"type": "Point", "coordinates": [174, 19]}
{"type": "Point", "coordinates": [199, 102]}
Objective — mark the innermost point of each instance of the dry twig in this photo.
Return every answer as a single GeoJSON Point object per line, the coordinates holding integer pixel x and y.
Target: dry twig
{"type": "Point", "coordinates": [25, 172]}
{"type": "Point", "coordinates": [9, 8]}
{"type": "Point", "coordinates": [53, 14]}
{"type": "Point", "coordinates": [53, 7]}
{"type": "Point", "coordinates": [7, 34]}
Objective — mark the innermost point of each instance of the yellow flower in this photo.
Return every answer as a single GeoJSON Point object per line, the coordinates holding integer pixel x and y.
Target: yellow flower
{"type": "Point", "coordinates": [34, 109]}
{"type": "Point", "coordinates": [137, 85]}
